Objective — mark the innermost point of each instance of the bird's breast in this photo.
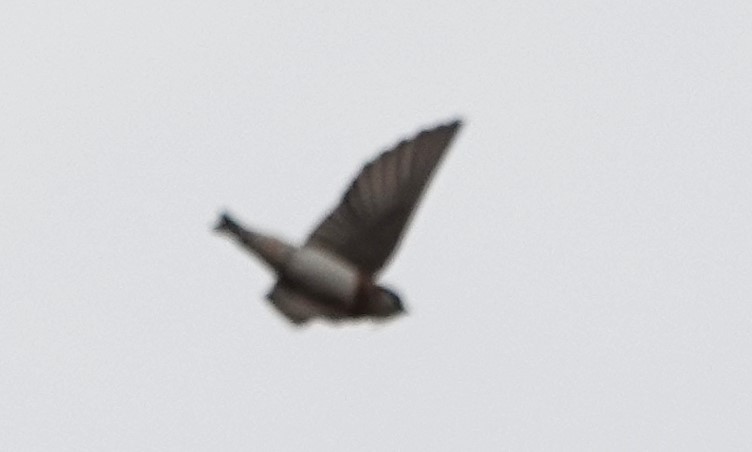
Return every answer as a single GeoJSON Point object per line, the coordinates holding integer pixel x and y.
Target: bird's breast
{"type": "Point", "coordinates": [323, 274]}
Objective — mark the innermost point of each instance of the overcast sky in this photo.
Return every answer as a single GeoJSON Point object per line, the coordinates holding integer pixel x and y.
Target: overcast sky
{"type": "Point", "coordinates": [578, 277]}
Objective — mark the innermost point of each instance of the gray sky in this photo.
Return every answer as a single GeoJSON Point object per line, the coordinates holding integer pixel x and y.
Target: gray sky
{"type": "Point", "coordinates": [578, 277]}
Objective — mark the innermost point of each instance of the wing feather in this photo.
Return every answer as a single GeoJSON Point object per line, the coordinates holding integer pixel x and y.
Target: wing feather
{"type": "Point", "coordinates": [368, 224]}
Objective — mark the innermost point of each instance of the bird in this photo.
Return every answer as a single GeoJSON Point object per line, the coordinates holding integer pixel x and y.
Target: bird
{"type": "Point", "coordinates": [332, 276]}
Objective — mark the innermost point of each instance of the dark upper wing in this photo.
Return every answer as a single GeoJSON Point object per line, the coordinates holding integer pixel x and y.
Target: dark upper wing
{"type": "Point", "coordinates": [368, 223]}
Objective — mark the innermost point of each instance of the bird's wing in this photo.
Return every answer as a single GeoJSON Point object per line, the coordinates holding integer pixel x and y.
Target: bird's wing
{"type": "Point", "coordinates": [297, 307]}
{"type": "Point", "coordinates": [369, 222]}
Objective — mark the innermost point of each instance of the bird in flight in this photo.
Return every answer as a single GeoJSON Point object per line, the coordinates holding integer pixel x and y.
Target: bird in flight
{"type": "Point", "coordinates": [333, 275]}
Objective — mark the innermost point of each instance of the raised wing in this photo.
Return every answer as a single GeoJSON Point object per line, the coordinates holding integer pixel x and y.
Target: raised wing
{"type": "Point", "coordinates": [369, 222]}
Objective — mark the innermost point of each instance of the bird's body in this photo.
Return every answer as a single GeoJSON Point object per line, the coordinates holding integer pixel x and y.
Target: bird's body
{"type": "Point", "coordinates": [332, 275]}
{"type": "Point", "coordinates": [324, 275]}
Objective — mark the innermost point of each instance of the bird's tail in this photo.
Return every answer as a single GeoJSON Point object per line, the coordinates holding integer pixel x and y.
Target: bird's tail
{"type": "Point", "coordinates": [273, 251]}
{"type": "Point", "coordinates": [227, 224]}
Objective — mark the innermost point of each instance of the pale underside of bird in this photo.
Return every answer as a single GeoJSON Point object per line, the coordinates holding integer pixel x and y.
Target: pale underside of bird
{"type": "Point", "coordinates": [332, 275]}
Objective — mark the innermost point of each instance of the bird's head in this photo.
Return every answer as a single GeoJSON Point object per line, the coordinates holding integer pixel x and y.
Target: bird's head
{"type": "Point", "coordinates": [390, 304]}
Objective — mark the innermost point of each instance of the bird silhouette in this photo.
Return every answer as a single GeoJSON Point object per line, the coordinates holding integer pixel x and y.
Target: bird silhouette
{"type": "Point", "coordinates": [332, 276]}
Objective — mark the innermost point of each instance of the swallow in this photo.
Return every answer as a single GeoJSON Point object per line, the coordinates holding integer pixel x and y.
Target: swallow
{"type": "Point", "coordinates": [332, 276]}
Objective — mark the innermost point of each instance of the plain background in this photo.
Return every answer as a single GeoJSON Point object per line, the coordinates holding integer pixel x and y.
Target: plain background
{"type": "Point", "coordinates": [579, 276]}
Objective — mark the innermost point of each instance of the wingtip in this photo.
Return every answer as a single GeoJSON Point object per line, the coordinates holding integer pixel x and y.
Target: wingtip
{"type": "Point", "coordinates": [454, 125]}
{"type": "Point", "coordinates": [456, 122]}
